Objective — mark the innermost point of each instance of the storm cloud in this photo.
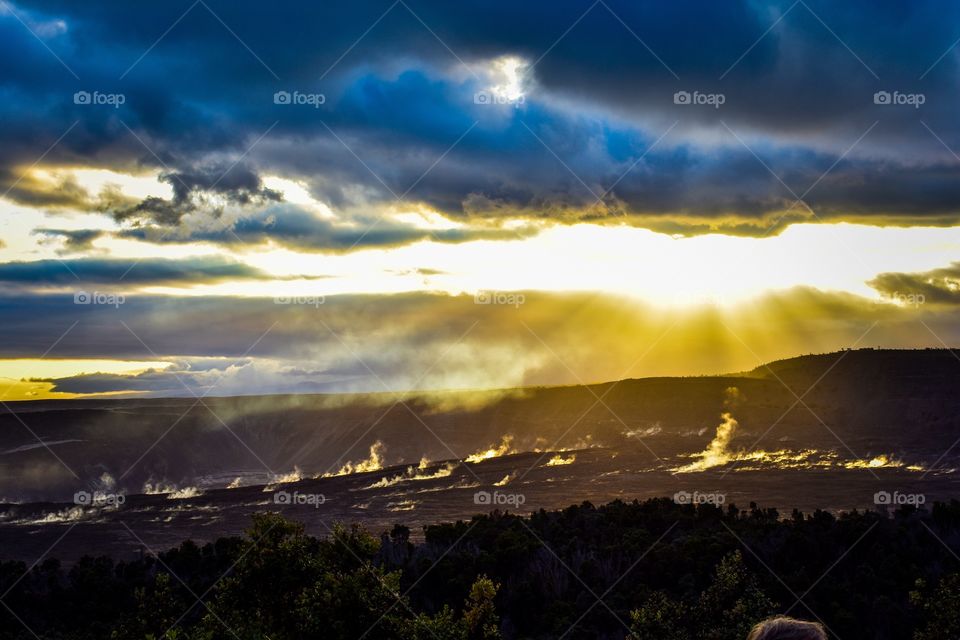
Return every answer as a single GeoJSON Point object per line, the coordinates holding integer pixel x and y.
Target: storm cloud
{"type": "Point", "coordinates": [829, 112]}
{"type": "Point", "coordinates": [125, 273]}
{"type": "Point", "coordinates": [938, 286]}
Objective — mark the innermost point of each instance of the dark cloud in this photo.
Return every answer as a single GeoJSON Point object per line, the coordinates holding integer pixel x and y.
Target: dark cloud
{"type": "Point", "coordinates": [939, 286]}
{"type": "Point", "coordinates": [238, 185]}
{"type": "Point", "coordinates": [63, 193]}
{"type": "Point", "coordinates": [74, 240]}
{"type": "Point", "coordinates": [122, 273]}
{"type": "Point", "coordinates": [245, 377]}
{"type": "Point", "coordinates": [601, 94]}
{"type": "Point", "coordinates": [292, 226]}
{"type": "Point", "coordinates": [149, 382]}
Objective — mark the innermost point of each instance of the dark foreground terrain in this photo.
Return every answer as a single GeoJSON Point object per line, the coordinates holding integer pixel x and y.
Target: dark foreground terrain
{"type": "Point", "coordinates": [100, 495]}
{"type": "Point", "coordinates": [838, 431]}
{"type": "Point", "coordinates": [650, 569]}
{"type": "Point", "coordinates": [860, 403]}
{"type": "Point", "coordinates": [442, 492]}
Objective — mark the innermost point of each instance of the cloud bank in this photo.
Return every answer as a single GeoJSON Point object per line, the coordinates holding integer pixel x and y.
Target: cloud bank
{"type": "Point", "coordinates": [395, 115]}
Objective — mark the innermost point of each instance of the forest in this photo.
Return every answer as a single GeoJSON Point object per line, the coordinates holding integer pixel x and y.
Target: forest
{"type": "Point", "coordinates": [651, 569]}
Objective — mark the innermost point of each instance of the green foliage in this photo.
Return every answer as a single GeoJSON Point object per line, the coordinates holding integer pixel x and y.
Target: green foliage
{"type": "Point", "coordinates": [734, 602]}
{"type": "Point", "coordinates": [661, 617]}
{"type": "Point", "coordinates": [726, 610]}
{"type": "Point", "coordinates": [940, 609]}
{"type": "Point", "coordinates": [158, 609]}
{"type": "Point", "coordinates": [287, 585]}
{"type": "Point", "coordinates": [674, 572]}
{"type": "Point", "coordinates": [479, 620]}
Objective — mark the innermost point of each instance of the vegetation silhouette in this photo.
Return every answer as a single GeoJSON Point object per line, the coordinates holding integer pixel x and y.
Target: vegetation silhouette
{"type": "Point", "coordinates": [651, 569]}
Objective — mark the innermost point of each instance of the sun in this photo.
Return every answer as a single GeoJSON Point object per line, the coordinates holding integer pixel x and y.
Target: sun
{"type": "Point", "coordinates": [509, 73]}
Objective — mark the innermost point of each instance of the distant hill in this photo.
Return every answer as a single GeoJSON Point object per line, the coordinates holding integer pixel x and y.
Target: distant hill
{"type": "Point", "coordinates": [916, 369]}
{"type": "Point", "coordinates": [877, 400]}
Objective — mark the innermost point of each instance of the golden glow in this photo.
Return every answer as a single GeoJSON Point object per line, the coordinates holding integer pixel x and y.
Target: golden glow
{"type": "Point", "coordinates": [373, 462]}
{"type": "Point", "coordinates": [24, 390]}
{"type": "Point", "coordinates": [711, 270]}
{"type": "Point", "coordinates": [505, 480]}
{"type": "Point", "coordinates": [717, 453]}
{"type": "Point", "coordinates": [96, 180]}
{"type": "Point", "coordinates": [24, 378]}
{"type": "Point", "coordinates": [879, 462]}
{"type": "Point", "coordinates": [24, 368]}
{"type": "Point", "coordinates": [415, 474]}
{"type": "Point", "coordinates": [558, 460]}
{"type": "Point", "coordinates": [505, 447]}
{"type": "Point", "coordinates": [706, 270]}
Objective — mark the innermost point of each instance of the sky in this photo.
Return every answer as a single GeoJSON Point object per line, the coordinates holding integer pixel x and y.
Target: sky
{"type": "Point", "coordinates": [218, 197]}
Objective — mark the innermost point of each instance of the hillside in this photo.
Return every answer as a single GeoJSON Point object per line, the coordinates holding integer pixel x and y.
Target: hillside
{"type": "Point", "coordinates": [874, 400]}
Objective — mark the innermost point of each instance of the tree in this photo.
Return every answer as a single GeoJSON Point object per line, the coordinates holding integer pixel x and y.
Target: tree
{"type": "Point", "coordinates": [725, 610]}
{"type": "Point", "coordinates": [158, 609]}
{"type": "Point", "coordinates": [480, 618]}
{"type": "Point", "coordinates": [940, 609]}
